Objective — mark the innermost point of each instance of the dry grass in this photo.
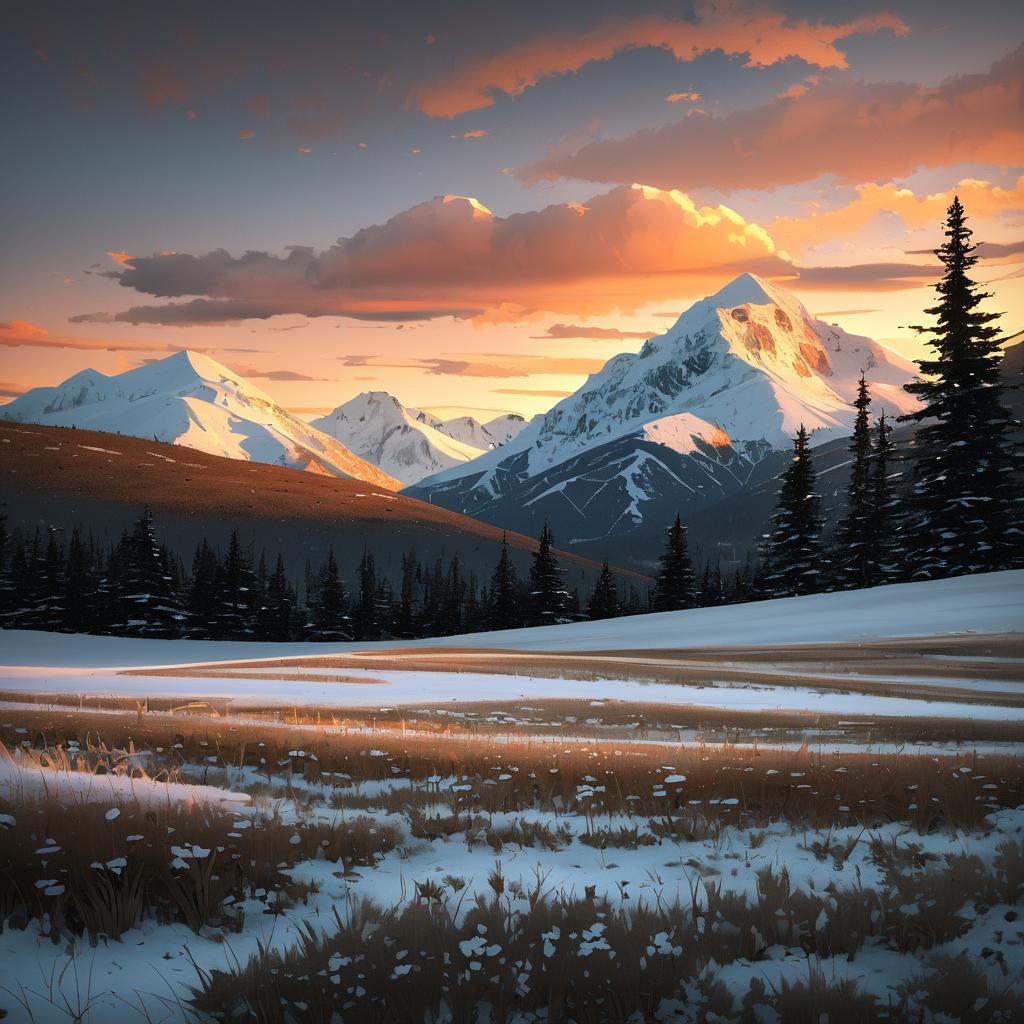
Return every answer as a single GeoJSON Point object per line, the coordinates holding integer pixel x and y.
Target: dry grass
{"type": "Point", "coordinates": [587, 960]}
{"type": "Point", "coordinates": [672, 784]}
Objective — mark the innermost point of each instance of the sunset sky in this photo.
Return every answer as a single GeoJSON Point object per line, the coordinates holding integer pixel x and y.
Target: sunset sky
{"type": "Point", "coordinates": [473, 205]}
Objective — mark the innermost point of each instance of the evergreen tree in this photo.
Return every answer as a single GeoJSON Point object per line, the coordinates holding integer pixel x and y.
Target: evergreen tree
{"type": "Point", "coordinates": [454, 595]}
{"type": "Point", "coordinates": [882, 560]}
{"type": "Point", "coordinates": [203, 612]}
{"type": "Point", "coordinates": [151, 606]}
{"type": "Point", "coordinates": [794, 561]}
{"type": "Point", "coordinates": [80, 587]}
{"type": "Point", "coordinates": [329, 606]}
{"type": "Point", "coordinates": [19, 595]}
{"type": "Point", "coordinates": [676, 586]}
{"type": "Point", "coordinates": [549, 600]}
{"type": "Point", "coordinates": [852, 558]}
{"type": "Point", "coordinates": [965, 511]}
{"type": "Point", "coordinates": [48, 584]}
{"type": "Point", "coordinates": [276, 618]}
{"type": "Point", "coordinates": [404, 619]}
{"type": "Point", "coordinates": [237, 605]}
{"type": "Point", "coordinates": [365, 619]}
{"type": "Point", "coordinates": [504, 596]}
{"type": "Point", "coordinates": [604, 599]}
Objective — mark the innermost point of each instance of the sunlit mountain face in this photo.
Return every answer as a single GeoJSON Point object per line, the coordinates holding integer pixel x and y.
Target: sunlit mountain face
{"type": "Point", "coordinates": [473, 213]}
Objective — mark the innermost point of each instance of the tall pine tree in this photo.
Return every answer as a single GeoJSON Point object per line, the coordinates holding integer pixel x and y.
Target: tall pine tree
{"type": "Point", "coordinates": [604, 600]}
{"type": "Point", "coordinates": [965, 512]}
{"type": "Point", "coordinates": [549, 600]}
{"type": "Point", "coordinates": [852, 561]}
{"type": "Point", "coordinates": [505, 611]}
{"type": "Point", "coordinates": [676, 585]}
{"type": "Point", "coordinates": [328, 608]}
{"type": "Point", "coordinates": [794, 561]}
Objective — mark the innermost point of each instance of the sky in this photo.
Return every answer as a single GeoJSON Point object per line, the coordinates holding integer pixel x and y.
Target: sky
{"type": "Point", "coordinates": [473, 206]}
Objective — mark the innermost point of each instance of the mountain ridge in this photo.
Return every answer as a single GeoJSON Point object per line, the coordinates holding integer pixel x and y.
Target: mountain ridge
{"type": "Point", "coordinates": [191, 400]}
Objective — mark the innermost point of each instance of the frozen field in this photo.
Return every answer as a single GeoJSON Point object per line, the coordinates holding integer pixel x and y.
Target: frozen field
{"type": "Point", "coordinates": [699, 817]}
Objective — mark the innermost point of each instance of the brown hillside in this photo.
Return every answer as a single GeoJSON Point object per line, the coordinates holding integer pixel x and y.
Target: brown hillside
{"type": "Point", "coordinates": [64, 476]}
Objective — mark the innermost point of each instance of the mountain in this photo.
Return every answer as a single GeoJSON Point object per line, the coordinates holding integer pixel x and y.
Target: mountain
{"type": "Point", "coordinates": [405, 443]}
{"type": "Point", "coordinates": [505, 427]}
{"type": "Point", "coordinates": [470, 431]}
{"type": "Point", "coordinates": [192, 400]}
{"type": "Point", "coordinates": [698, 414]}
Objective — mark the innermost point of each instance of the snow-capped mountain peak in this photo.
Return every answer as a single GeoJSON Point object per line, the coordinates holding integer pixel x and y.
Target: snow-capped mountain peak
{"type": "Point", "coordinates": [190, 399]}
{"type": "Point", "coordinates": [691, 414]}
{"type": "Point", "coordinates": [408, 444]}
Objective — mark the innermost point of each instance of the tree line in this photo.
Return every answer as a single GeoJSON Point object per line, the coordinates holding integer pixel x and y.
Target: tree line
{"type": "Point", "coordinates": [139, 587]}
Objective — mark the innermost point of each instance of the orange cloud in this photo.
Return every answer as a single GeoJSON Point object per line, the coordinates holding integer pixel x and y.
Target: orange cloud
{"type": "Point", "coordinates": [24, 329]}
{"type": "Point", "coordinates": [679, 97]}
{"type": "Point", "coordinates": [981, 198]}
{"type": "Point", "coordinates": [616, 250]}
{"type": "Point", "coordinates": [476, 133]}
{"type": "Point", "coordinates": [120, 257]}
{"type": "Point", "coordinates": [22, 334]}
{"type": "Point", "coordinates": [763, 37]}
{"type": "Point", "coordinates": [855, 130]}
{"type": "Point", "coordinates": [532, 392]}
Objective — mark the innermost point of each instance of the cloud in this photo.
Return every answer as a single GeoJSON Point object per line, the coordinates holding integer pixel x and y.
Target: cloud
{"type": "Point", "coordinates": [615, 251]}
{"type": "Point", "coordinates": [981, 198]}
{"type": "Point", "coordinates": [683, 97]}
{"type": "Point", "coordinates": [534, 392]}
{"type": "Point", "coordinates": [844, 312]}
{"type": "Point", "coordinates": [476, 133]}
{"type": "Point", "coordinates": [120, 257]}
{"type": "Point", "coordinates": [872, 276]}
{"type": "Point", "coordinates": [9, 390]}
{"type": "Point", "coordinates": [246, 133]}
{"type": "Point", "coordinates": [22, 334]}
{"type": "Point", "coordinates": [603, 333]}
{"type": "Point", "coordinates": [485, 365]}
{"type": "Point", "coordinates": [762, 37]}
{"type": "Point", "coordinates": [858, 131]}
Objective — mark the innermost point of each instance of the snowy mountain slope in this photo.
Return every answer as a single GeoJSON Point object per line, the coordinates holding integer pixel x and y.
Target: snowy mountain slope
{"type": "Point", "coordinates": [470, 431]}
{"type": "Point", "coordinates": [405, 443]}
{"type": "Point", "coordinates": [505, 427]}
{"type": "Point", "coordinates": [725, 388]}
{"type": "Point", "coordinates": [192, 400]}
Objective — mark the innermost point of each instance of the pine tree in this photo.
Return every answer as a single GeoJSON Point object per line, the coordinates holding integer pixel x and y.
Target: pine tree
{"type": "Point", "coordinates": [676, 586]}
{"type": "Point", "coordinates": [237, 606]}
{"type": "Point", "coordinates": [203, 612]}
{"type": "Point", "coordinates": [604, 599]}
{"type": "Point", "coordinates": [80, 587]}
{"type": "Point", "coordinates": [852, 558]}
{"type": "Point", "coordinates": [454, 595]}
{"type": "Point", "coordinates": [549, 600]}
{"type": "Point", "coordinates": [329, 607]}
{"type": "Point", "coordinates": [151, 604]}
{"type": "Point", "coordinates": [794, 561]}
{"type": "Point", "coordinates": [504, 596]}
{"type": "Point", "coordinates": [276, 618]}
{"type": "Point", "coordinates": [965, 512]}
{"type": "Point", "coordinates": [404, 618]}
{"type": "Point", "coordinates": [881, 559]}
{"type": "Point", "coordinates": [365, 620]}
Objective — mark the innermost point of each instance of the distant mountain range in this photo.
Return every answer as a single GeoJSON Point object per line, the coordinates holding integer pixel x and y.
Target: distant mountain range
{"type": "Point", "coordinates": [192, 400]}
{"type": "Point", "coordinates": [700, 413]}
{"type": "Point", "coordinates": [409, 444]}
{"type": "Point", "coordinates": [699, 421]}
